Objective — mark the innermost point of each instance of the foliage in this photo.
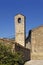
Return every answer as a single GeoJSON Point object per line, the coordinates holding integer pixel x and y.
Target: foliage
{"type": "Point", "coordinates": [9, 58]}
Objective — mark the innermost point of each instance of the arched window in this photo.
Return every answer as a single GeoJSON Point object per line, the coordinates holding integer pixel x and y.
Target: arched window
{"type": "Point", "coordinates": [19, 20]}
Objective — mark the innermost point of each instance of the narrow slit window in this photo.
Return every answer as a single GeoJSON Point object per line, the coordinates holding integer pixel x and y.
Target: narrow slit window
{"type": "Point", "coordinates": [19, 20]}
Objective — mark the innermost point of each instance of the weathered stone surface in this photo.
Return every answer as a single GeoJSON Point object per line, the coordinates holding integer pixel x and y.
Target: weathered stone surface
{"type": "Point", "coordinates": [37, 43]}
{"type": "Point", "coordinates": [20, 29]}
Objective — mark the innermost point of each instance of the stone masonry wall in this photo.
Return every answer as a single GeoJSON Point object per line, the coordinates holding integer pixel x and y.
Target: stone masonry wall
{"type": "Point", "coordinates": [25, 51]}
{"type": "Point", "coordinates": [37, 43]}
{"type": "Point", "coordinates": [20, 29]}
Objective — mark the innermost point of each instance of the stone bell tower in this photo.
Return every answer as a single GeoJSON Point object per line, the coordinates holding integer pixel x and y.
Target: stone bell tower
{"type": "Point", "coordinates": [20, 29]}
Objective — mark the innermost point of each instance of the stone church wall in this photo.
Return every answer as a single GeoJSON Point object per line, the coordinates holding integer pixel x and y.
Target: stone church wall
{"type": "Point", "coordinates": [37, 43]}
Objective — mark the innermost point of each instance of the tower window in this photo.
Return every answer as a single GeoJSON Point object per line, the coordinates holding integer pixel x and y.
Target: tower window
{"type": "Point", "coordinates": [19, 20]}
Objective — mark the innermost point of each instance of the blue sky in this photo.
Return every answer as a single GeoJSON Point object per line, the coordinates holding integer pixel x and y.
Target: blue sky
{"type": "Point", "coordinates": [32, 9]}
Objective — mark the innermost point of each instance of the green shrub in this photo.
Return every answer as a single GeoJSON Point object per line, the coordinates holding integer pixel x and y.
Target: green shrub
{"type": "Point", "coordinates": [9, 58]}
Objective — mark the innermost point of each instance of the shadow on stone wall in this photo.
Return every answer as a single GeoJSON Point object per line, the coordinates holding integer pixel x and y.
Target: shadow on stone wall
{"type": "Point", "coordinates": [25, 51]}
{"type": "Point", "coordinates": [28, 39]}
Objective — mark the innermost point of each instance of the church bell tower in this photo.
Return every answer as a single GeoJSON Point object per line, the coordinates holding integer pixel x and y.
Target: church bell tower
{"type": "Point", "coordinates": [20, 29]}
